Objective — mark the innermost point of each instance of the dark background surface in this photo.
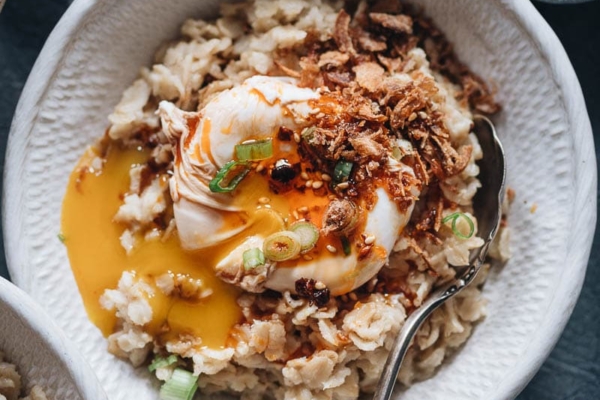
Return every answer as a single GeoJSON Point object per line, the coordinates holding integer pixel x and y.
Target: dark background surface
{"type": "Point", "coordinates": [573, 369]}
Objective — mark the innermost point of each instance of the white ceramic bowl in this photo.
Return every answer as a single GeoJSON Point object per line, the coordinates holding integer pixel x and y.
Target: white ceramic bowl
{"type": "Point", "coordinates": [41, 352]}
{"type": "Point", "coordinates": [96, 51]}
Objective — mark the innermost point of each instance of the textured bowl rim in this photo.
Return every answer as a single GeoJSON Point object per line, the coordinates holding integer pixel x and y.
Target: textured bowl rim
{"type": "Point", "coordinates": [53, 339]}
{"type": "Point", "coordinates": [583, 210]}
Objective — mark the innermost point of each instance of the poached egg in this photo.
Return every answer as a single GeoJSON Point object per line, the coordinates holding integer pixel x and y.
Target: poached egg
{"type": "Point", "coordinates": [205, 141]}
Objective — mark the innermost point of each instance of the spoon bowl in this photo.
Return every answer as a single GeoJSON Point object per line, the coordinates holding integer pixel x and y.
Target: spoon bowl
{"type": "Point", "coordinates": [487, 209]}
{"type": "Point", "coordinates": [492, 175]}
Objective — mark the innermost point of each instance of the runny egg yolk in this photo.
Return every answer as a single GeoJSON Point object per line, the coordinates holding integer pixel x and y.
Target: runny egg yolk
{"type": "Point", "coordinates": [98, 260]}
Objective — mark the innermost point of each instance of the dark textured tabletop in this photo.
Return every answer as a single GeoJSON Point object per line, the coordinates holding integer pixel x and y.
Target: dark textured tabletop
{"type": "Point", "coordinates": [572, 372]}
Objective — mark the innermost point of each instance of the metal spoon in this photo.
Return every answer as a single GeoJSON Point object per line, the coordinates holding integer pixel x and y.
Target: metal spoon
{"type": "Point", "coordinates": [487, 208]}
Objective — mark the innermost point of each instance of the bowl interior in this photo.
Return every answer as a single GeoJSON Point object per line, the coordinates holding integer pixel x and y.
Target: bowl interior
{"type": "Point", "coordinates": [42, 354]}
{"type": "Point", "coordinates": [96, 53]}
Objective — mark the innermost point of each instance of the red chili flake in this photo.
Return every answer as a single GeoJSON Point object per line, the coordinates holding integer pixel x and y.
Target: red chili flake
{"type": "Point", "coordinates": [285, 134]}
{"type": "Point", "coordinates": [305, 288]}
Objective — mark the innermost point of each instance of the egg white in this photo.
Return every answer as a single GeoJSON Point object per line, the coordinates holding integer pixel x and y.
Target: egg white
{"type": "Point", "coordinates": [257, 109]}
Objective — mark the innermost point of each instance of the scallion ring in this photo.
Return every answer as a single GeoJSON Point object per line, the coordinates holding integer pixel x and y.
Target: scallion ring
{"type": "Point", "coordinates": [342, 171]}
{"type": "Point", "coordinates": [253, 258]}
{"type": "Point", "coordinates": [215, 184]}
{"type": "Point", "coordinates": [346, 245]}
{"type": "Point", "coordinates": [454, 217]}
{"type": "Point", "coordinates": [254, 150]}
{"type": "Point", "coordinates": [161, 362]}
{"type": "Point", "coordinates": [182, 386]}
{"type": "Point", "coordinates": [308, 233]}
{"type": "Point", "coordinates": [282, 246]}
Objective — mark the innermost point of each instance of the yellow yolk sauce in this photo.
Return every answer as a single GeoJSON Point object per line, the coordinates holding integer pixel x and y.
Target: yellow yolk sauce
{"type": "Point", "coordinates": [98, 259]}
{"type": "Point", "coordinates": [297, 202]}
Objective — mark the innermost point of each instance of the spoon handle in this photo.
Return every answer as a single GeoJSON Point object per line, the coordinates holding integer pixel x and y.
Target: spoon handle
{"type": "Point", "coordinates": [416, 319]}
{"type": "Point", "coordinates": [493, 173]}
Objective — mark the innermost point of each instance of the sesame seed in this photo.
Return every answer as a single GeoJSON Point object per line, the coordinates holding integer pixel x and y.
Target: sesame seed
{"type": "Point", "coordinates": [370, 239]}
{"type": "Point", "coordinates": [343, 185]}
{"type": "Point", "coordinates": [259, 167]}
{"type": "Point", "coordinates": [264, 200]}
{"type": "Point", "coordinates": [326, 178]}
{"type": "Point", "coordinates": [353, 296]}
{"type": "Point", "coordinates": [296, 138]}
{"type": "Point", "coordinates": [307, 257]}
{"type": "Point", "coordinates": [412, 117]}
{"type": "Point", "coordinates": [320, 285]}
{"type": "Point", "coordinates": [309, 183]}
{"type": "Point", "coordinates": [332, 197]}
{"type": "Point", "coordinates": [295, 214]}
{"type": "Point", "coordinates": [317, 184]}
{"type": "Point", "coordinates": [320, 115]}
{"type": "Point", "coordinates": [303, 210]}
{"type": "Point", "coordinates": [422, 115]}
{"type": "Point", "coordinates": [304, 175]}
{"type": "Point", "coordinates": [331, 249]}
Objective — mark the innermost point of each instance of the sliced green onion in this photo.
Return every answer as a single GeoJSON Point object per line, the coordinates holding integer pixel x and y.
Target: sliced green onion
{"type": "Point", "coordinates": [254, 150]}
{"type": "Point", "coordinates": [61, 237]}
{"type": "Point", "coordinates": [342, 170]}
{"type": "Point", "coordinates": [215, 184]}
{"type": "Point", "coordinates": [161, 362]}
{"type": "Point", "coordinates": [346, 245]}
{"type": "Point", "coordinates": [282, 246]}
{"type": "Point", "coordinates": [253, 258]}
{"type": "Point", "coordinates": [308, 234]}
{"type": "Point", "coordinates": [454, 217]}
{"type": "Point", "coordinates": [182, 386]}
{"type": "Point", "coordinates": [308, 133]}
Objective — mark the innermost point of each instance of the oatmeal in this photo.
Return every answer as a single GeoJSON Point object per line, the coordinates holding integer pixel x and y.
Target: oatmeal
{"type": "Point", "coordinates": [277, 193]}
